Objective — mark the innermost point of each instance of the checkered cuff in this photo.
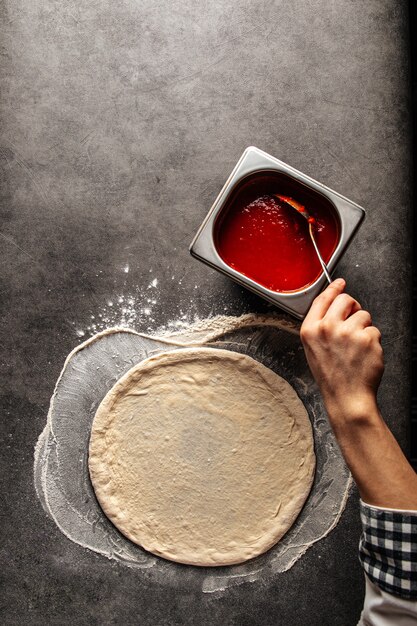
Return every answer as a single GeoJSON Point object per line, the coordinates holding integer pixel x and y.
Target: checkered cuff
{"type": "Point", "coordinates": [388, 549]}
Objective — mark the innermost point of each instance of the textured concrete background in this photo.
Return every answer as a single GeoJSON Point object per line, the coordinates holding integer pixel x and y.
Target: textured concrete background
{"type": "Point", "coordinates": [120, 122]}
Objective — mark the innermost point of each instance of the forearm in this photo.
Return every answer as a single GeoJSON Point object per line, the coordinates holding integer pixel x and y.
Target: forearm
{"type": "Point", "coordinates": [382, 473]}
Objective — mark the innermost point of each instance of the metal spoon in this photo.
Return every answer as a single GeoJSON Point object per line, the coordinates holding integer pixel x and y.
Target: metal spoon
{"type": "Point", "coordinates": [311, 221]}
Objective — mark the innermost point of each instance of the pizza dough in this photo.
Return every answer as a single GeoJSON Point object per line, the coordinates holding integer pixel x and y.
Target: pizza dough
{"type": "Point", "coordinates": [202, 456]}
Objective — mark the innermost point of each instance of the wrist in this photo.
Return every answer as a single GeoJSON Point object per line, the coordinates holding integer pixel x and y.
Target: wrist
{"type": "Point", "coordinates": [351, 409]}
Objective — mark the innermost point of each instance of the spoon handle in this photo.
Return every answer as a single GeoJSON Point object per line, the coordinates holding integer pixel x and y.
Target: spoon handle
{"type": "Point", "coordinates": [322, 263]}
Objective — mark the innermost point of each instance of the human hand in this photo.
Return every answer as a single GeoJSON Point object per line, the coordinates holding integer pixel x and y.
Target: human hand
{"type": "Point", "coordinates": [345, 356]}
{"type": "Point", "coordinates": [344, 352]}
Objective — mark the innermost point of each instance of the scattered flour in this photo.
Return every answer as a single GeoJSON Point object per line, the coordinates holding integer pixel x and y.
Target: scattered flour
{"type": "Point", "coordinates": [61, 455]}
{"type": "Point", "coordinates": [140, 308]}
{"type": "Point", "coordinates": [124, 330]}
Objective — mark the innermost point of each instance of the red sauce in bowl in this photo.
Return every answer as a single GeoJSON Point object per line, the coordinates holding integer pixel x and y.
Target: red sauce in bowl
{"type": "Point", "coordinates": [268, 241]}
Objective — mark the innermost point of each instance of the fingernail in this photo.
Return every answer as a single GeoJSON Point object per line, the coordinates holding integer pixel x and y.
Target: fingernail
{"type": "Point", "coordinates": [339, 282]}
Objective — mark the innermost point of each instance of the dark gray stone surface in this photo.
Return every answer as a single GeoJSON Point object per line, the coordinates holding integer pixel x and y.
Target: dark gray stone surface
{"type": "Point", "coordinates": [120, 123]}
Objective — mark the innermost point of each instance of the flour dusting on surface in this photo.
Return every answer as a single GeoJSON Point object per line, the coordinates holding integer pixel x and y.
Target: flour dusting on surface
{"type": "Point", "coordinates": [139, 309]}
{"type": "Point", "coordinates": [92, 368]}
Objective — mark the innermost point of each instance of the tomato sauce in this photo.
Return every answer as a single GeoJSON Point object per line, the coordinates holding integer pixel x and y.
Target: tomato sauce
{"type": "Point", "coordinates": [269, 242]}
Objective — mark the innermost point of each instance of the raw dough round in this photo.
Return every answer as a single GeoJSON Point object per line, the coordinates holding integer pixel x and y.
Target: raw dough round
{"type": "Point", "coordinates": [202, 456]}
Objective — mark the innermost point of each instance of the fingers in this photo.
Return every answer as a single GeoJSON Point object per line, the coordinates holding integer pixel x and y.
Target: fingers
{"type": "Point", "coordinates": [374, 333]}
{"type": "Point", "coordinates": [333, 306]}
{"type": "Point", "coordinates": [360, 319]}
{"type": "Point", "coordinates": [322, 303]}
{"type": "Point", "coordinates": [342, 307]}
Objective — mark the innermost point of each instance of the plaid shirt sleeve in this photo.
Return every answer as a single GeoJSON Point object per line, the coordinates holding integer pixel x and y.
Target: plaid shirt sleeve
{"type": "Point", "coordinates": [388, 549]}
